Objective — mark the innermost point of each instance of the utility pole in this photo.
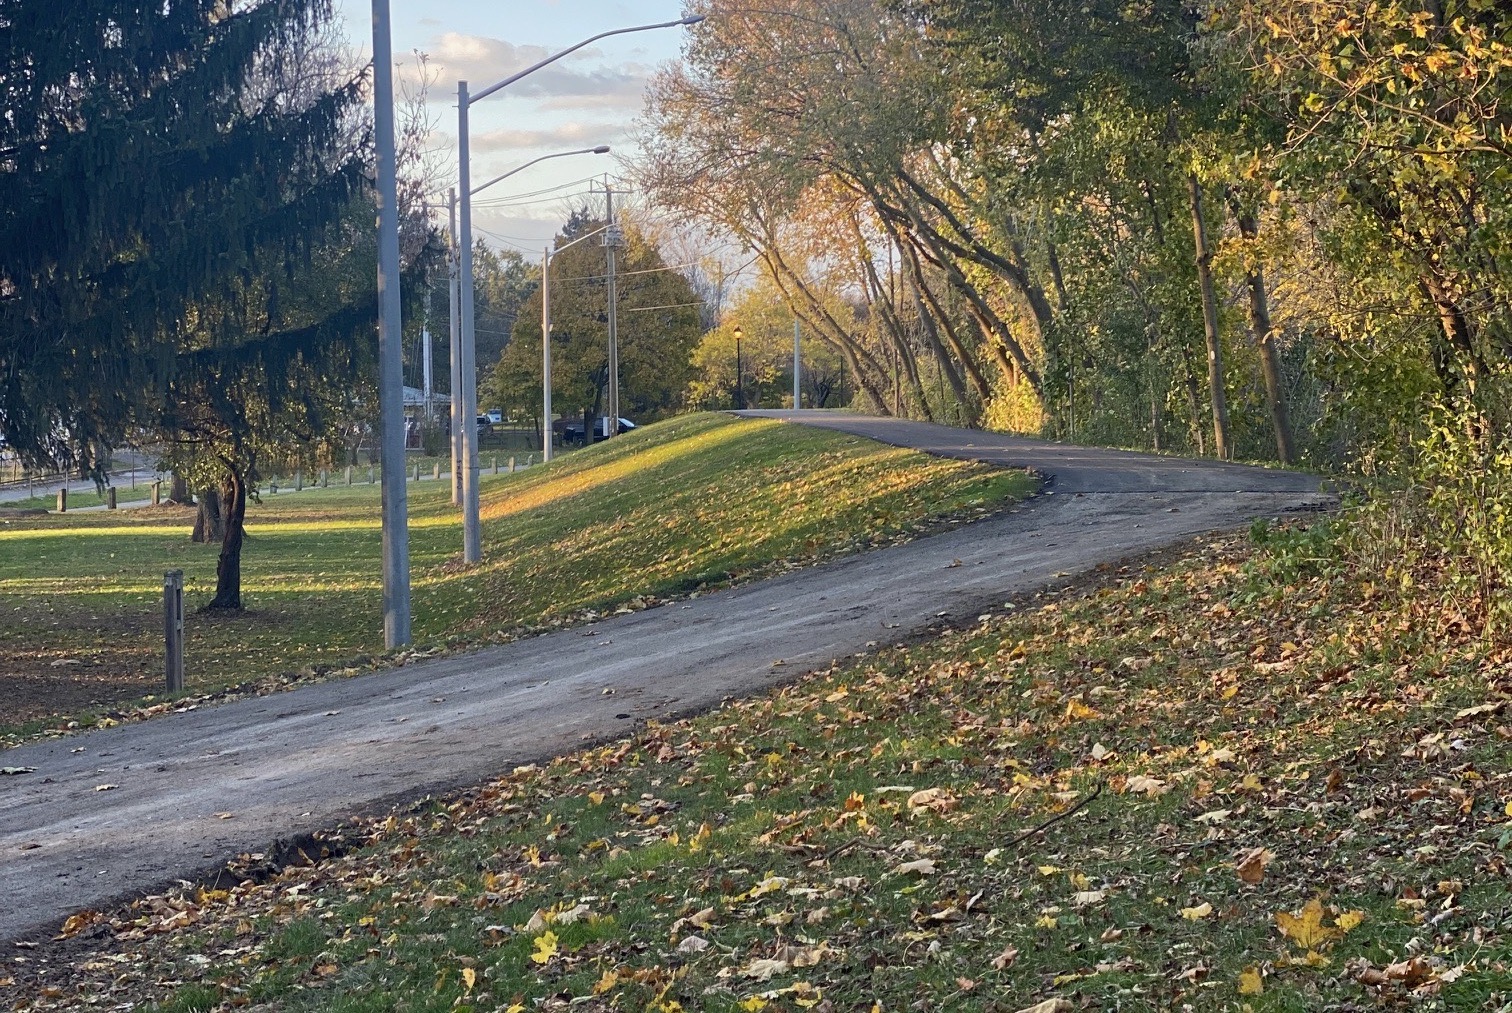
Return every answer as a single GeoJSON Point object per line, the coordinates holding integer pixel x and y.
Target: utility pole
{"type": "Point", "coordinates": [546, 430]}
{"type": "Point", "coordinates": [396, 575]}
{"type": "Point", "coordinates": [456, 355]}
{"type": "Point", "coordinates": [612, 240]}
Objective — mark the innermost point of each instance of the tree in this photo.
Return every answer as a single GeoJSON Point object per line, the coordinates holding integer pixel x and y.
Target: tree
{"type": "Point", "coordinates": [139, 183]}
{"type": "Point", "coordinates": [766, 355]}
{"type": "Point", "coordinates": [658, 327]}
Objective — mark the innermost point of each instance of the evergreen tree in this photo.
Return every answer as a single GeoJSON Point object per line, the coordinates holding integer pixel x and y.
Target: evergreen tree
{"type": "Point", "coordinates": [148, 195]}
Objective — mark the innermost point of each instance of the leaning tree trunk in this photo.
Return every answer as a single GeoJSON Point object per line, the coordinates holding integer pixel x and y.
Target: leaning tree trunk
{"type": "Point", "coordinates": [178, 489]}
{"type": "Point", "coordinates": [1264, 336]}
{"type": "Point", "coordinates": [209, 525]}
{"type": "Point", "coordinates": [1204, 257]}
{"type": "Point", "coordinates": [228, 568]}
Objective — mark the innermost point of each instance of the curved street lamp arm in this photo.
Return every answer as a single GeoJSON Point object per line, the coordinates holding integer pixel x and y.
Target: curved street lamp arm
{"type": "Point", "coordinates": [602, 149]}
{"type": "Point", "coordinates": [692, 19]}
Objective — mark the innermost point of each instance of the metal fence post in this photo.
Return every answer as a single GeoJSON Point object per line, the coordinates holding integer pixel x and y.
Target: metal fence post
{"type": "Point", "coordinates": [173, 629]}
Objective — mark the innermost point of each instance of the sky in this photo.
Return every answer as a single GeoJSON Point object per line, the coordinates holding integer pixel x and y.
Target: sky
{"type": "Point", "coordinates": [589, 98]}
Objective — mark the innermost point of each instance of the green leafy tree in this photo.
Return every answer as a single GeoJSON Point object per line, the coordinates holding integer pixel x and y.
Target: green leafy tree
{"type": "Point", "coordinates": [658, 327]}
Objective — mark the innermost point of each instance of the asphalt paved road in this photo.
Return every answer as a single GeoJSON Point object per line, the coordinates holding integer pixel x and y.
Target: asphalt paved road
{"type": "Point", "coordinates": [301, 760]}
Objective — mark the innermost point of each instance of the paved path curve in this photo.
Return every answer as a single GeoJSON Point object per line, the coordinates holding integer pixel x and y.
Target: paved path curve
{"type": "Point", "coordinates": [300, 760]}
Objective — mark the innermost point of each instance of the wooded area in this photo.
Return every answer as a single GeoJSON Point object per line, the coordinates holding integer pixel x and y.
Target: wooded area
{"type": "Point", "coordinates": [1249, 230]}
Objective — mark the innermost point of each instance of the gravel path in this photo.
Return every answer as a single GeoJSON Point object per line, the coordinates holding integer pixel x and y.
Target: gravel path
{"type": "Point", "coordinates": [192, 790]}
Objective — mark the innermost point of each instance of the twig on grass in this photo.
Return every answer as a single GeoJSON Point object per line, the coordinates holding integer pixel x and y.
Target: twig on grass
{"type": "Point", "coordinates": [1021, 838]}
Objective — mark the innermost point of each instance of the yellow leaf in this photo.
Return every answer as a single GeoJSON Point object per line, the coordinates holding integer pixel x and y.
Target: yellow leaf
{"type": "Point", "coordinates": [1078, 711]}
{"type": "Point", "coordinates": [753, 1004]}
{"type": "Point", "coordinates": [596, 797]}
{"type": "Point", "coordinates": [545, 948]}
{"type": "Point", "coordinates": [1046, 922]}
{"type": "Point", "coordinates": [608, 981]}
{"type": "Point", "coordinates": [1349, 920]}
{"type": "Point", "coordinates": [1196, 914]}
{"type": "Point", "coordinates": [1306, 927]}
{"type": "Point", "coordinates": [469, 977]}
{"type": "Point", "coordinates": [1250, 982]}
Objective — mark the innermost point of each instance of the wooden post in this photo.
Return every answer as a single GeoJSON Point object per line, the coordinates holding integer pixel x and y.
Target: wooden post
{"type": "Point", "coordinates": [511, 466]}
{"type": "Point", "coordinates": [496, 464]}
{"type": "Point", "coordinates": [110, 498]}
{"type": "Point", "coordinates": [298, 479]}
{"type": "Point", "coordinates": [63, 499]}
{"type": "Point", "coordinates": [417, 471]}
{"type": "Point", "coordinates": [370, 474]}
{"type": "Point", "coordinates": [325, 479]}
{"type": "Point", "coordinates": [349, 474]}
{"type": "Point", "coordinates": [157, 492]}
{"type": "Point", "coordinates": [173, 630]}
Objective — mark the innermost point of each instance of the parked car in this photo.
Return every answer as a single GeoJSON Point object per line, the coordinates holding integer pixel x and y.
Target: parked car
{"type": "Point", "coordinates": [485, 425]}
{"type": "Point", "coordinates": [495, 416]}
{"type": "Point", "coordinates": [572, 431]}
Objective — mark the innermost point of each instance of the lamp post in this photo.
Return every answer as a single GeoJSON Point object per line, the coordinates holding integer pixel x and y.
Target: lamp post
{"type": "Point", "coordinates": [739, 386]}
{"type": "Point", "coordinates": [460, 379]}
{"type": "Point", "coordinates": [396, 583]}
{"type": "Point", "coordinates": [472, 542]}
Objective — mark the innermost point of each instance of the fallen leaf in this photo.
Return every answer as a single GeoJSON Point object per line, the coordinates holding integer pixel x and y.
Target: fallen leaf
{"type": "Point", "coordinates": [762, 968]}
{"type": "Point", "coordinates": [1305, 928]}
{"type": "Point", "coordinates": [1196, 914]}
{"type": "Point", "coordinates": [1049, 1006]}
{"type": "Point", "coordinates": [693, 944]}
{"type": "Point", "coordinates": [1250, 865]}
{"type": "Point", "coordinates": [469, 978]}
{"type": "Point", "coordinates": [106, 787]}
{"type": "Point", "coordinates": [1250, 981]}
{"type": "Point", "coordinates": [921, 866]}
{"type": "Point", "coordinates": [1005, 960]}
{"type": "Point", "coordinates": [1145, 785]}
{"type": "Point", "coordinates": [12, 771]}
{"type": "Point", "coordinates": [545, 948]}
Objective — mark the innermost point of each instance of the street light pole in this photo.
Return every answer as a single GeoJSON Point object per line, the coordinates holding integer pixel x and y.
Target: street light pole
{"type": "Point", "coordinates": [797, 365]}
{"type": "Point", "coordinates": [396, 584]}
{"type": "Point", "coordinates": [472, 542]}
{"type": "Point", "coordinates": [739, 385]}
{"type": "Point", "coordinates": [472, 533]}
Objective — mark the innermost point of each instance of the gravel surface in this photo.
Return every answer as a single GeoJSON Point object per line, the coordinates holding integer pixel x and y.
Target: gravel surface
{"type": "Point", "coordinates": [189, 791]}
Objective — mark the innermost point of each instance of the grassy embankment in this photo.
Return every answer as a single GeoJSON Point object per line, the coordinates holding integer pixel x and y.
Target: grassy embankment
{"type": "Point", "coordinates": [1244, 782]}
{"type": "Point", "coordinates": [663, 511]}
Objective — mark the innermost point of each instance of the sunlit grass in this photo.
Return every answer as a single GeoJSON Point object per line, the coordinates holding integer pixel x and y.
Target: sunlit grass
{"type": "Point", "coordinates": [701, 500]}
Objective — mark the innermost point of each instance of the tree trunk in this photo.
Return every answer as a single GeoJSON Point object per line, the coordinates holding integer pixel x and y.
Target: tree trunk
{"type": "Point", "coordinates": [209, 525]}
{"type": "Point", "coordinates": [178, 489]}
{"type": "Point", "coordinates": [1264, 334]}
{"type": "Point", "coordinates": [1204, 259]}
{"type": "Point", "coordinates": [228, 567]}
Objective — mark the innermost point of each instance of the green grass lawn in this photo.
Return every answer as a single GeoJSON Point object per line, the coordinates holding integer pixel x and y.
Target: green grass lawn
{"type": "Point", "coordinates": [1243, 782]}
{"type": "Point", "coordinates": [665, 510]}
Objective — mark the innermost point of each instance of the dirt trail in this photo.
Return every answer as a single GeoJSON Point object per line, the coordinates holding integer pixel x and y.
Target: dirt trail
{"type": "Point", "coordinates": [301, 760]}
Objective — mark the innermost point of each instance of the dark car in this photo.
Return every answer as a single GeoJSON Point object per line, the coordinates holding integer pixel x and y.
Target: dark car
{"type": "Point", "coordinates": [572, 432]}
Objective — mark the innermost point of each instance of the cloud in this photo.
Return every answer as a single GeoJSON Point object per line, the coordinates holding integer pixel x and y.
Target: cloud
{"type": "Point", "coordinates": [582, 80]}
{"type": "Point", "coordinates": [565, 135]}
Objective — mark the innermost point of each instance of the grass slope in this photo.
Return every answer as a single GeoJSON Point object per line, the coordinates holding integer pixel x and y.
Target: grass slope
{"type": "Point", "coordinates": [661, 511]}
{"type": "Point", "coordinates": [1239, 783]}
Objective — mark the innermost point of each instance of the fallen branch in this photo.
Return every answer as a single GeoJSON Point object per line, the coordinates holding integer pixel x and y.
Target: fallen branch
{"type": "Point", "coordinates": [1021, 838]}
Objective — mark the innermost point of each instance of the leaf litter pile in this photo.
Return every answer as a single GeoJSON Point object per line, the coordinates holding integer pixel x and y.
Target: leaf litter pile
{"type": "Point", "coordinates": [1231, 784]}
